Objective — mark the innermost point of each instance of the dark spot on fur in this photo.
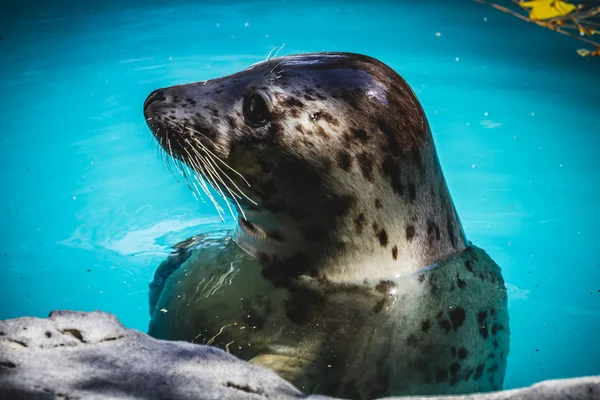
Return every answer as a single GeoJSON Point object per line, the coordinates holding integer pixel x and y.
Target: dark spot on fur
{"type": "Point", "coordinates": [360, 134]}
{"type": "Point", "coordinates": [462, 353]}
{"type": "Point", "coordinates": [338, 206]}
{"type": "Point", "coordinates": [412, 192]}
{"type": "Point", "coordinates": [433, 283]}
{"type": "Point", "coordinates": [478, 371]}
{"type": "Point", "coordinates": [441, 374]}
{"type": "Point", "coordinates": [391, 169]}
{"type": "Point", "coordinates": [457, 316]}
{"type": "Point", "coordinates": [395, 252]}
{"type": "Point", "coordinates": [483, 330]}
{"type": "Point", "coordinates": [359, 223]}
{"type": "Point", "coordinates": [469, 265]}
{"type": "Point", "coordinates": [365, 161]}
{"type": "Point", "coordinates": [410, 232]}
{"type": "Point", "coordinates": [377, 203]}
{"type": "Point", "coordinates": [412, 341]}
{"type": "Point", "coordinates": [385, 286]}
{"type": "Point", "coordinates": [417, 161]}
{"type": "Point", "coordinates": [292, 102]}
{"type": "Point", "coordinates": [7, 364]}
{"type": "Point", "coordinates": [48, 334]}
{"type": "Point", "coordinates": [454, 368]}
{"type": "Point", "coordinates": [467, 374]}
{"type": "Point", "coordinates": [451, 231]}
{"type": "Point", "coordinates": [481, 320]}
{"type": "Point", "coordinates": [481, 316]}
{"type": "Point", "coordinates": [324, 115]}
{"type": "Point", "coordinates": [274, 132]}
{"type": "Point", "coordinates": [321, 132]}
{"type": "Point", "coordinates": [354, 97]}
{"type": "Point", "coordinates": [344, 160]}
{"type": "Point", "coordinates": [393, 146]}
{"type": "Point", "coordinates": [445, 325]}
{"type": "Point", "coordinates": [494, 329]}
{"type": "Point", "coordinates": [461, 284]}
{"type": "Point", "coordinates": [380, 305]}
{"type": "Point", "coordinates": [425, 325]}
{"type": "Point", "coordinates": [383, 238]}
{"type": "Point", "coordinates": [421, 278]}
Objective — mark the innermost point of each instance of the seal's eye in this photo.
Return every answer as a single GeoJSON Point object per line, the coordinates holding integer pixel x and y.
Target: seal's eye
{"type": "Point", "coordinates": [256, 111]}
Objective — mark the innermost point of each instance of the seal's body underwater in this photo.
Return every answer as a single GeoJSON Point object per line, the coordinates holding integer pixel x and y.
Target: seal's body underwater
{"type": "Point", "coordinates": [348, 273]}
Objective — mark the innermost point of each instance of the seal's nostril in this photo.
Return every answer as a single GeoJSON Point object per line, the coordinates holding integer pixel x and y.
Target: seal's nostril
{"type": "Point", "coordinates": [155, 96]}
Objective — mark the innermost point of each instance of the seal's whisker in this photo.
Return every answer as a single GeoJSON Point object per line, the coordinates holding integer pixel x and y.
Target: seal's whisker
{"type": "Point", "coordinates": [199, 133]}
{"type": "Point", "coordinates": [200, 180]}
{"type": "Point", "coordinates": [182, 167]}
{"type": "Point", "coordinates": [202, 184]}
{"type": "Point", "coordinates": [269, 54]}
{"type": "Point", "coordinates": [211, 158]}
{"type": "Point", "coordinates": [214, 155]}
{"type": "Point", "coordinates": [163, 154]}
{"type": "Point", "coordinates": [170, 158]}
{"type": "Point", "coordinates": [190, 184]}
{"type": "Point", "coordinates": [216, 175]}
{"type": "Point", "coordinates": [233, 195]}
{"type": "Point", "coordinates": [223, 162]}
{"type": "Point", "coordinates": [211, 182]}
{"type": "Point", "coordinates": [281, 48]}
{"type": "Point", "coordinates": [275, 67]}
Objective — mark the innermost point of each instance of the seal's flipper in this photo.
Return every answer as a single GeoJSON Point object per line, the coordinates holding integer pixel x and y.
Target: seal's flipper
{"type": "Point", "coordinates": [181, 252]}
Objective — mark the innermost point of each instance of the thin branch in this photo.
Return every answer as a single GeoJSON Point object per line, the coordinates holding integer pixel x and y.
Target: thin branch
{"type": "Point", "coordinates": [557, 24]}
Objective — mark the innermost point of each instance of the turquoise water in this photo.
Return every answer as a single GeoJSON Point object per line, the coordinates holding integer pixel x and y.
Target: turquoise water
{"type": "Point", "coordinates": [88, 210]}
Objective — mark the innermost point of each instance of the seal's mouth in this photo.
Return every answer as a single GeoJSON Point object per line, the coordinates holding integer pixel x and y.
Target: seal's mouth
{"type": "Point", "coordinates": [190, 150]}
{"type": "Point", "coordinates": [257, 241]}
{"type": "Point", "coordinates": [255, 232]}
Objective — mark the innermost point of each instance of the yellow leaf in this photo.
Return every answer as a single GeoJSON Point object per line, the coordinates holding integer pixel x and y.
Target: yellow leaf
{"type": "Point", "coordinates": [547, 9]}
{"type": "Point", "coordinates": [583, 52]}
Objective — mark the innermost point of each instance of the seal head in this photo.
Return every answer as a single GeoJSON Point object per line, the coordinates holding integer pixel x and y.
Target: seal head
{"type": "Point", "coordinates": [344, 180]}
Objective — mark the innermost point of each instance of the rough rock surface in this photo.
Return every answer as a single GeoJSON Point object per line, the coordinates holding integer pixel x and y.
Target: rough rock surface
{"type": "Point", "coordinates": [75, 355]}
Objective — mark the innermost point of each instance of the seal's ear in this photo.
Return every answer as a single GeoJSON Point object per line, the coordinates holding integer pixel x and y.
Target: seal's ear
{"type": "Point", "coordinates": [256, 110]}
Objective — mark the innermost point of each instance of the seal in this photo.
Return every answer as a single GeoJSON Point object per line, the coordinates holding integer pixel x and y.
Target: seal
{"type": "Point", "coordinates": [348, 273]}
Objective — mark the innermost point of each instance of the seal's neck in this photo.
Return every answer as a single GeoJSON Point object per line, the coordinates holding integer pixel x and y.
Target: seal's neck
{"type": "Point", "coordinates": [382, 237]}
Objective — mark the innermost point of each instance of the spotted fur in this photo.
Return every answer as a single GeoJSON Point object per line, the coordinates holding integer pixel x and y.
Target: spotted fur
{"type": "Point", "coordinates": [346, 211]}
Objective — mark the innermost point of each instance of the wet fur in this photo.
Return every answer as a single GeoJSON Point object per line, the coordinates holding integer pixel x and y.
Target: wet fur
{"type": "Point", "coordinates": [346, 185]}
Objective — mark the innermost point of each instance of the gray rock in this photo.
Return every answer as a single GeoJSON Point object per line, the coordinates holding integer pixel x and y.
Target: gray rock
{"type": "Point", "coordinates": [561, 389]}
{"type": "Point", "coordinates": [74, 355]}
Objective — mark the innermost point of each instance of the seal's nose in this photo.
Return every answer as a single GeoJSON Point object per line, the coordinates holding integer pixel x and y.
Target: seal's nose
{"type": "Point", "coordinates": [155, 96]}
